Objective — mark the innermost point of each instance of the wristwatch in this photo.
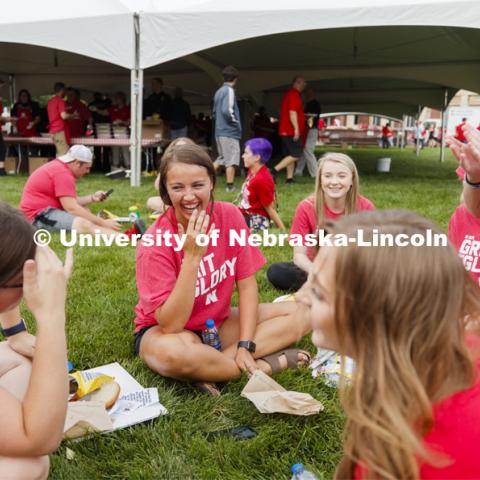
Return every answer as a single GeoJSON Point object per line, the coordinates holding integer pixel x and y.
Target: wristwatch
{"type": "Point", "coordinates": [20, 327]}
{"type": "Point", "coordinates": [250, 346]}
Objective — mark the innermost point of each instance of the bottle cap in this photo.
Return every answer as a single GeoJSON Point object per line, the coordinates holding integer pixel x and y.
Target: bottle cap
{"type": "Point", "coordinates": [297, 468]}
{"type": "Point", "coordinates": [209, 323]}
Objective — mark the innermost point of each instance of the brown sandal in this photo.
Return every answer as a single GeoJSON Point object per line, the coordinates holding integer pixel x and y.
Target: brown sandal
{"type": "Point", "coordinates": [291, 354]}
{"type": "Point", "coordinates": [207, 387]}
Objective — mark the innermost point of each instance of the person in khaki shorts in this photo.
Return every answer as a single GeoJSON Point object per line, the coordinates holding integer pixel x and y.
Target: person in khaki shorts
{"type": "Point", "coordinates": [228, 128]}
{"type": "Point", "coordinates": [56, 117]}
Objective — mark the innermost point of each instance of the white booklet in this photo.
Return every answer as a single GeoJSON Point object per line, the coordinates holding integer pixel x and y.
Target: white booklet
{"type": "Point", "coordinates": [136, 404]}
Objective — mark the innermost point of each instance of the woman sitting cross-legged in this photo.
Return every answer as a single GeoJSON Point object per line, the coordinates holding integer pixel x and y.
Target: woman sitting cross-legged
{"type": "Point", "coordinates": [180, 288]}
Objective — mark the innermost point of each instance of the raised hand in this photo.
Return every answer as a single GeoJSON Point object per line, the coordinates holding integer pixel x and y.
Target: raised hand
{"type": "Point", "coordinates": [45, 285]}
{"type": "Point", "coordinates": [468, 154]}
{"type": "Point", "coordinates": [197, 224]}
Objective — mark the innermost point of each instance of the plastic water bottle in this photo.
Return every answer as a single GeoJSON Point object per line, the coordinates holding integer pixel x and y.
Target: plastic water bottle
{"type": "Point", "coordinates": [299, 473]}
{"type": "Point", "coordinates": [210, 335]}
{"type": "Point", "coordinates": [136, 220]}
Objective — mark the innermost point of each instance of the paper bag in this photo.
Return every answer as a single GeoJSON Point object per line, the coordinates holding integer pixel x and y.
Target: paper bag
{"type": "Point", "coordinates": [270, 397]}
{"type": "Point", "coordinates": [86, 417]}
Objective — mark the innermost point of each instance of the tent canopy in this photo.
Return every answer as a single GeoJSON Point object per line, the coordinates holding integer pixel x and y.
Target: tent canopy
{"type": "Point", "coordinates": [398, 49]}
{"type": "Point", "coordinates": [101, 30]}
{"type": "Point", "coordinates": [368, 55]}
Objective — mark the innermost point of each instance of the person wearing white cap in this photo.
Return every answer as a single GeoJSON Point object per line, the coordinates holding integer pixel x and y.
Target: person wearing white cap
{"type": "Point", "coordinates": [50, 201]}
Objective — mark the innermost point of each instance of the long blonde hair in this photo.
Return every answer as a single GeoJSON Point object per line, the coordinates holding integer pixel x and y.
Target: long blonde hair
{"type": "Point", "coordinates": [352, 195]}
{"type": "Point", "coordinates": [400, 312]}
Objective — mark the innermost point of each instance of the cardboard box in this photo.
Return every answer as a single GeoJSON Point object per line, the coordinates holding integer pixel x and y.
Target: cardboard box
{"type": "Point", "coordinates": [155, 129]}
{"type": "Point", "coordinates": [36, 162]}
{"type": "Point", "coordinates": [11, 164]}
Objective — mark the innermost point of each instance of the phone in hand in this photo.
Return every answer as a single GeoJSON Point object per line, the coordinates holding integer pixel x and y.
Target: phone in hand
{"type": "Point", "coordinates": [237, 433]}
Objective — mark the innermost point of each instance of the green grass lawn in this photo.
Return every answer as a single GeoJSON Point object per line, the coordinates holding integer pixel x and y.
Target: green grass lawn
{"type": "Point", "coordinates": [100, 305]}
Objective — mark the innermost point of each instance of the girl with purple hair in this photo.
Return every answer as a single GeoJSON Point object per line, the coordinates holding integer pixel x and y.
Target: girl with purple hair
{"type": "Point", "coordinates": [257, 197]}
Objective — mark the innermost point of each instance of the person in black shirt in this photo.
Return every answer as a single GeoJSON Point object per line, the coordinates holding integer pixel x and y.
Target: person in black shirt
{"type": "Point", "coordinates": [180, 118]}
{"type": "Point", "coordinates": [158, 102]}
{"type": "Point", "coordinates": [312, 115]}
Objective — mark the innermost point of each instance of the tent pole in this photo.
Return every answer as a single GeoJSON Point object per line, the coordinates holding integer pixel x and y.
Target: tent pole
{"type": "Point", "coordinates": [133, 125]}
{"type": "Point", "coordinates": [444, 130]}
{"type": "Point", "coordinates": [418, 131]}
{"type": "Point", "coordinates": [11, 90]}
{"type": "Point", "coordinates": [138, 153]}
{"type": "Point", "coordinates": [136, 109]}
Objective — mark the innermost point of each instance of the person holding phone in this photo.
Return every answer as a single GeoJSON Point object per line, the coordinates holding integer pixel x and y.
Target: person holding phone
{"type": "Point", "coordinates": [50, 201]}
{"type": "Point", "coordinates": [33, 371]}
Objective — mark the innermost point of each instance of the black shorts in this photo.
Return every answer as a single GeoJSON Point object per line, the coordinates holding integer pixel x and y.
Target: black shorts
{"type": "Point", "coordinates": [291, 147]}
{"type": "Point", "coordinates": [137, 338]}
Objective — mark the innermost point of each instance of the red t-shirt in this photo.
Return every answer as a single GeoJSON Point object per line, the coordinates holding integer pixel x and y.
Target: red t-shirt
{"type": "Point", "coordinates": [159, 267]}
{"type": "Point", "coordinates": [464, 233]}
{"type": "Point", "coordinates": [387, 132]}
{"type": "Point", "coordinates": [291, 101]}
{"type": "Point", "coordinates": [45, 186]}
{"type": "Point", "coordinates": [257, 192]}
{"type": "Point", "coordinates": [25, 116]}
{"type": "Point", "coordinates": [119, 113]}
{"type": "Point", "coordinates": [77, 126]}
{"type": "Point", "coordinates": [455, 432]}
{"type": "Point", "coordinates": [459, 132]}
{"type": "Point", "coordinates": [55, 107]}
{"type": "Point", "coordinates": [305, 218]}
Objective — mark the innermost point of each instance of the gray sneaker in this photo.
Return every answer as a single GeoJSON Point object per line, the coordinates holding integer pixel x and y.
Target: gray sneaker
{"type": "Point", "coordinates": [230, 188]}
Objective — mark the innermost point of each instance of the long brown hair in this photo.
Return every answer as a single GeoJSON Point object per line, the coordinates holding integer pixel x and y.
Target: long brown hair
{"type": "Point", "coordinates": [352, 195]}
{"type": "Point", "coordinates": [16, 242]}
{"type": "Point", "coordinates": [400, 313]}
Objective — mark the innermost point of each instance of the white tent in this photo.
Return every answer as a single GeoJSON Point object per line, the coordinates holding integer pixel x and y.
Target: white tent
{"type": "Point", "coordinates": [366, 55]}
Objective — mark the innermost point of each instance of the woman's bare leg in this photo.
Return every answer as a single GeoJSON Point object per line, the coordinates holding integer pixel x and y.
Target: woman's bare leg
{"type": "Point", "coordinates": [183, 356]}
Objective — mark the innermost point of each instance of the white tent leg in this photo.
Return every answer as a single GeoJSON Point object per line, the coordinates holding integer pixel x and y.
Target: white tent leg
{"type": "Point", "coordinates": [11, 90]}
{"type": "Point", "coordinates": [136, 99]}
{"type": "Point", "coordinates": [402, 142]}
{"type": "Point", "coordinates": [138, 152]}
{"type": "Point", "coordinates": [419, 132]}
{"type": "Point", "coordinates": [444, 130]}
{"type": "Point", "coordinates": [133, 126]}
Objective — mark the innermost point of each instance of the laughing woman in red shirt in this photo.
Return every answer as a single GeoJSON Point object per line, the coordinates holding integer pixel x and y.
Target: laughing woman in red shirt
{"type": "Point", "coordinates": [406, 316]}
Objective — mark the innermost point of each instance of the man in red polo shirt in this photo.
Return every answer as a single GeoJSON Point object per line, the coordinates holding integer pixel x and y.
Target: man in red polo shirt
{"type": "Point", "coordinates": [50, 201]}
{"type": "Point", "coordinates": [57, 115]}
{"type": "Point", "coordinates": [291, 127]}
{"type": "Point", "coordinates": [80, 114]}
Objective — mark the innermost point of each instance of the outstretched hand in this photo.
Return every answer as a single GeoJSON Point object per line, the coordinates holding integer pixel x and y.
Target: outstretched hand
{"type": "Point", "coordinates": [468, 154]}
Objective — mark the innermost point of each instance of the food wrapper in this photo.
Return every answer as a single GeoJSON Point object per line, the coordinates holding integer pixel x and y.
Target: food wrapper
{"type": "Point", "coordinates": [89, 382]}
{"type": "Point", "coordinates": [84, 418]}
{"type": "Point", "coordinates": [270, 397]}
